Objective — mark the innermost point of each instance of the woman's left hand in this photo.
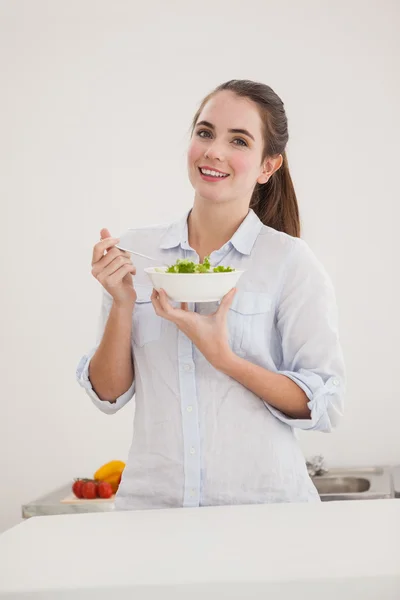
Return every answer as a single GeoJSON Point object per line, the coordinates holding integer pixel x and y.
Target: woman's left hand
{"type": "Point", "coordinates": [209, 333]}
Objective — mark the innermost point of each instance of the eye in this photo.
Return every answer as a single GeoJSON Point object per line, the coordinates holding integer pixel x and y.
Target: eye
{"type": "Point", "coordinates": [203, 131]}
{"type": "Point", "coordinates": [243, 143]}
{"type": "Point", "coordinates": [208, 134]}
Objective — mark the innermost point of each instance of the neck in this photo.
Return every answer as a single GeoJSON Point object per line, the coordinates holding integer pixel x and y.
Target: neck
{"type": "Point", "coordinates": [211, 227]}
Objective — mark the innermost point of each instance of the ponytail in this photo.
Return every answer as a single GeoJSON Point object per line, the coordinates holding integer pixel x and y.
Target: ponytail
{"type": "Point", "coordinates": [275, 202]}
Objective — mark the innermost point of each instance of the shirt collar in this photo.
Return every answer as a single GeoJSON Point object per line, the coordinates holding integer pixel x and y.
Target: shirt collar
{"type": "Point", "coordinates": [242, 240]}
{"type": "Point", "coordinates": [176, 234]}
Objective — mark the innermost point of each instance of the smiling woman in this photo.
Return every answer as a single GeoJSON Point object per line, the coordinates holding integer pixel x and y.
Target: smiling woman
{"type": "Point", "coordinates": [272, 198]}
{"type": "Point", "coordinates": [221, 384]}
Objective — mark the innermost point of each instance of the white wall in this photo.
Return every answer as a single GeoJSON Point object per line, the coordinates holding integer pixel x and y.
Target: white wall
{"type": "Point", "coordinates": [95, 107]}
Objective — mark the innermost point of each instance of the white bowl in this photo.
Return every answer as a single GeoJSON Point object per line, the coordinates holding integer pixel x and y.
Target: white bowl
{"type": "Point", "coordinates": [193, 287]}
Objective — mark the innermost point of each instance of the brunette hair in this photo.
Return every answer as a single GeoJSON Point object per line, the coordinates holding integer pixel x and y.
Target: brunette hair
{"type": "Point", "coordinates": [274, 202]}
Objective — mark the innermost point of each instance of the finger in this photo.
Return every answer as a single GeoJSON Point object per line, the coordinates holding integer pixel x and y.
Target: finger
{"type": "Point", "coordinates": [155, 300]}
{"type": "Point", "coordinates": [164, 302]}
{"type": "Point", "coordinates": [109, 257]}
{"type": "Point", "coordinates": [226, 303]}
{"type": "Point", "coordinates": [116, 264]}
{"type": "Point", "coordinates": [184, 306]}
{"type": "Point", "coordinates": [115, 279]}
{"type": "Point", "coordinates": [101, 247]}
{"type": "Point", "coordinates": [104, 233]}
{"type": "Point", "coordinates": [108, 270]}
{"type": "Point", "coordinates": [162, 306]}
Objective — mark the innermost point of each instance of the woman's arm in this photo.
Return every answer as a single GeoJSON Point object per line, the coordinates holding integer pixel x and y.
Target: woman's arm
{"type": "Point", "coordinates": [274, 388]}
{"type": "Point", "coordinates": [111, 368]}
{"type": "Point", "coordinates": [309, 385]}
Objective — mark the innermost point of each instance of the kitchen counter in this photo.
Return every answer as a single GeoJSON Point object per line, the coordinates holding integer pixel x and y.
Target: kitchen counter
{"type": "Point", "coordinates": [342, 482]}
{"type": "Point", "coordinates": [327, 550]}
{"type": "Point", "coordinates": [50, 504]}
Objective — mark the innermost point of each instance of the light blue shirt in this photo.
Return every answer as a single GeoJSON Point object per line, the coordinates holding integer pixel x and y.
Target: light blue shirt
{"type": "Point", "coordinates": [200, 437]}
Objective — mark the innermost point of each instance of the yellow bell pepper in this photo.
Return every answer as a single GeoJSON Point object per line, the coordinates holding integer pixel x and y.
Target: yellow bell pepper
{"type": "Point", "coordinates": [110, 469]}
{"type": "Point", "coordinates": [114, 480]}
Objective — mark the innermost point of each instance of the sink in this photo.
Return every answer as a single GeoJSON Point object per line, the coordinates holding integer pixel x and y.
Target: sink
{"type": "Point", "coordinates": [355, 484]}
{"type": "Point", "coordinates": [341, 485]}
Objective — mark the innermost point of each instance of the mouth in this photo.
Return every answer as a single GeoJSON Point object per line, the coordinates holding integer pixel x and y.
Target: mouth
{"type": "Point", "coordinates": [209, 174]}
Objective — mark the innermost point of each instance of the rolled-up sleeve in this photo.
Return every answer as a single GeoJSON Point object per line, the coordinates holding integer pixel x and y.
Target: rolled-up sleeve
{"type": "Point", "coordinates": [82, 371]}
{"type": "Point", "coordinates": [312, 357]}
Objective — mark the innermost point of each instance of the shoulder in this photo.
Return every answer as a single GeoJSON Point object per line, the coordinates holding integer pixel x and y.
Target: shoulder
{"type": "Point", "coordinates": [293, 254]}
{"type": "Point", "coordinates": [283, 246]}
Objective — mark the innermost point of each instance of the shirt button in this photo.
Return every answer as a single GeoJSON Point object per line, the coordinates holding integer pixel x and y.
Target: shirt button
{"type": "Point", "coordinates": [187, 367]}
{"type": "Point", "coordinates": [335, 381]}
{"type": "Point", "coordinates": [191, 493]}
{"type": "Point", "coordinates": [192, 450]}
{"type": "Point", "coordinates": [189, 408]}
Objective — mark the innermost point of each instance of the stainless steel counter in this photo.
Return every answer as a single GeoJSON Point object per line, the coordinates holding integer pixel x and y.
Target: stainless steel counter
{"type": "Point", "coordinates": [364, 483]}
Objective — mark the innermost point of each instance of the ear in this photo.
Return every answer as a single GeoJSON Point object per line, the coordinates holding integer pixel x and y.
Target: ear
{"type": "Point", "coordinates": [270, 165]}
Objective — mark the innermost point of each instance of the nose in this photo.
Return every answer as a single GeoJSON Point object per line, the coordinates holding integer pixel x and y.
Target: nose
{"type": "Point", "coordinates": [214, 152]}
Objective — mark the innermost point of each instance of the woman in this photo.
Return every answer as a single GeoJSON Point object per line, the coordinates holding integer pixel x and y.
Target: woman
{"type": "Point", "coordinates": [220, 389]}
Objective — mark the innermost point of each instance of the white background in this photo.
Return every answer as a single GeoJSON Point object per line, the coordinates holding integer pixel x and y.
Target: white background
{"type": "Point", "coordinates": [95, 107]}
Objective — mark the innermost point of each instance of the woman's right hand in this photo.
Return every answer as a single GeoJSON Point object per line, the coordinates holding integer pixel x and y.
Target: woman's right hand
{"type": "Point", "coordinates": [114, 270]}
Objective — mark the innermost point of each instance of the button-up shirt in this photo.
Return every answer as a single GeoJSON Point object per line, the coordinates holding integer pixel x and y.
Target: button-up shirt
{"type": "Point", "coordinates": [200, 437]}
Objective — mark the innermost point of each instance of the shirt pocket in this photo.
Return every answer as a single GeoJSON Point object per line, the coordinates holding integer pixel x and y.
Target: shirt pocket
{"type": "Point", "coordinates": [249, 321]}
{"type": "Point", "coordinates": [146, 326]}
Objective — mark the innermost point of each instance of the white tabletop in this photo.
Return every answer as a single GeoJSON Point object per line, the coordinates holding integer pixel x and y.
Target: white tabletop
{"type": "Point", "coordinates": [343, 550]}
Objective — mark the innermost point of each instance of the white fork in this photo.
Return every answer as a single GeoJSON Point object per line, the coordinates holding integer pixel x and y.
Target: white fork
{"type": "Point", "coordinates": [139, 254]}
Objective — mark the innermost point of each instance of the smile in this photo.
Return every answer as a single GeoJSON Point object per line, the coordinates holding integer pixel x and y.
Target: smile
{"type": "Point", "coordinates": [211, 175]}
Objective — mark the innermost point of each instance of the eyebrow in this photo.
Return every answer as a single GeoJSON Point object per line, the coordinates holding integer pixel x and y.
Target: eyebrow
{"type": "Point", "coordinates": [211, 126]}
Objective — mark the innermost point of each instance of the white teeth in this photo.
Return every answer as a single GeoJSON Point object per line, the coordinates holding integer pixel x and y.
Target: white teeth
{"type": "Point", "coordinates": [212, 173]}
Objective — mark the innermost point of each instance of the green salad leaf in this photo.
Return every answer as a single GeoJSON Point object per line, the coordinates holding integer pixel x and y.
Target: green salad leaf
{"type": "Point", "coordinates": [222, 269]}
{"type": "Point", "coordinates": [183, 265]}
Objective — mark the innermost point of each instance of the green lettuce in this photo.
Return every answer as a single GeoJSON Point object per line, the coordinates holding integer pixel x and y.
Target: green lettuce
{"type": "Point", "coordinates": [183, 265]}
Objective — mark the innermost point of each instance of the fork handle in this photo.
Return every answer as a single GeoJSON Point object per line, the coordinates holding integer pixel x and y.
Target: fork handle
{"type": "Point", "coordinates": [136, 253]}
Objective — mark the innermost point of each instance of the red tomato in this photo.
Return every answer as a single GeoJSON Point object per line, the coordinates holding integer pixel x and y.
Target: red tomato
{"type": "Point", "coordinates": [77, 487]}
{"type": "Point", "coordinates": [104, 489]}
{"type": "Point", "coordinates": [89, 490]}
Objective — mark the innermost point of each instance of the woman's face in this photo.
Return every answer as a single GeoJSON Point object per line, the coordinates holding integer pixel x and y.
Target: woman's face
{"type": "Point", "coordinates": [236, 154]}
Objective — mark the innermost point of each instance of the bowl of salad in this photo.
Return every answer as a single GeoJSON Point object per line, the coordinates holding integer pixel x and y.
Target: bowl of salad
{"type": "Point", "coordinates": [186, 281]}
